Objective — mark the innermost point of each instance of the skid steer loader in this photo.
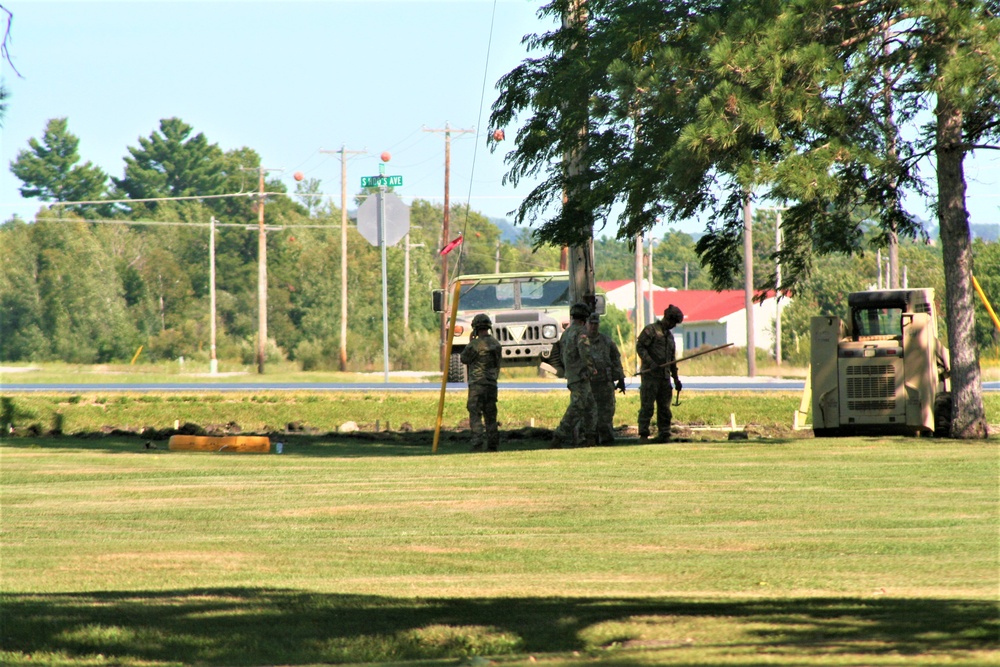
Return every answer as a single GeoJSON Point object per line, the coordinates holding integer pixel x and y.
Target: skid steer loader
{"type": "Point", "coordinates": [882, 370]}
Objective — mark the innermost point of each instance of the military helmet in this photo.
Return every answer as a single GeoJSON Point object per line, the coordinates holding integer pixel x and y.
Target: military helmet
{"type": "Point", "coordinates": [481, 321]}
{"type": "Point", "coordinates": [673, 314]}
{"type": "Point", "coordinates": [579, 311]}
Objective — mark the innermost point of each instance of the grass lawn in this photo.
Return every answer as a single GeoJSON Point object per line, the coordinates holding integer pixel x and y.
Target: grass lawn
{"type": "Point", "coordinates": [783, 551]}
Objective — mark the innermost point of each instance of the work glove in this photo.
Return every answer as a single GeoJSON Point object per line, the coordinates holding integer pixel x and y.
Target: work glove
{"type": "Point", "coordinates": [677, 384]}
{"type": "Point", "coordinates": [621, 385]}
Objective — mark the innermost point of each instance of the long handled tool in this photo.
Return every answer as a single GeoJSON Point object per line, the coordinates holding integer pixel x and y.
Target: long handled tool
{"type": "Point", "coordinates": [690, 356]}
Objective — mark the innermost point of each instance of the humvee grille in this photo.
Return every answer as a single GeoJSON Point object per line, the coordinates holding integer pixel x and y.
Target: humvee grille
{"type": "Point", "coordinates": [871, 387]}
{"type": "Point", "coordinates": [509, 334]}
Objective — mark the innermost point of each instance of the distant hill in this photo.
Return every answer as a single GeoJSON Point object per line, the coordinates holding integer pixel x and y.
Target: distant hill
{"type": "Point", "coordinates": [986, 232]}
{"type": "Point", "coordinates": [508, 232]}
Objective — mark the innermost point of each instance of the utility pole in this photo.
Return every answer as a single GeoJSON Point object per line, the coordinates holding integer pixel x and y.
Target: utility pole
{"type": "Point", "coordinates": [261, 271]}
{"type": "Point", "coordinates": [777, 277]}
{"type": "Point", "coordinates": [406, 279]}
{"type": "Point", "coordinates": [213, 362]}
{"type": "Point", "coordinates": [343, 251]}
{"type": "Point", "coordinates": [640, 315]}
{"type": "Point", "coordinates": [892, 279]}
{"type": "Point", "coordinates": [445, 231]}
{"type": "Point", "coordinates": [748, 285]}
{"type": "Point", "coordinates": [777, 296]}
{"type": "Point", "coordinates": [649, 286]}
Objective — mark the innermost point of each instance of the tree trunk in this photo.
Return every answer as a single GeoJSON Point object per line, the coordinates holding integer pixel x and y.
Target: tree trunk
{"type": "Point", "coordinates": [968, 419]}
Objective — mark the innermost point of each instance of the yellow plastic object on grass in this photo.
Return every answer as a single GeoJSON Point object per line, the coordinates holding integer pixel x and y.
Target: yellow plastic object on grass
{"type": "Point", "coordinates": [241, 444]}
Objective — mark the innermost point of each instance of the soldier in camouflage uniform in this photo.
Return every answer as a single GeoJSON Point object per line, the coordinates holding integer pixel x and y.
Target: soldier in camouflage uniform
{"type": "Point", "coordinates": [608, 364]}
{"type": "Point", "coordinates": [655, 348]}
{"type": "Point", "coordinates": [579, 368]}
{"type": "Point", "coordinates": [482, 356]}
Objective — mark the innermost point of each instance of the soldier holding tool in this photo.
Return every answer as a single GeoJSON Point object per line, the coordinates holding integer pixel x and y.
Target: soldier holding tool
{"type": "Point", "coordinates": [610, 375]}
{"type": "Point", "coordinates": [655, 348]}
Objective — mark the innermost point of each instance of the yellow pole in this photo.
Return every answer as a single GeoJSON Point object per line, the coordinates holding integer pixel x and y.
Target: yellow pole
{"type": "Point", "coordinates": [447, 361]}
{"type": "Point", "coordinates": [804, 404]}
{"type": "Point", "coordinates": [989, 308]}
{"type": "Point", "coordinates": [136, 355]}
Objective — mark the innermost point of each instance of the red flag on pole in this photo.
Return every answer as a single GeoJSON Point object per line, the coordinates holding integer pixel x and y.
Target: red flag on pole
{"type": "Point", "coordinates": [451, 246]}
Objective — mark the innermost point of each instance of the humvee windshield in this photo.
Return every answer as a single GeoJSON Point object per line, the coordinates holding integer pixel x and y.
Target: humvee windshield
{"type": "Point", "coordinates": [524, 294]}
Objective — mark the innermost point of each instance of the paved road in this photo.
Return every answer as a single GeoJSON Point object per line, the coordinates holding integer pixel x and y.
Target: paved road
{"type": "Point", "coordinates": [690, 384]}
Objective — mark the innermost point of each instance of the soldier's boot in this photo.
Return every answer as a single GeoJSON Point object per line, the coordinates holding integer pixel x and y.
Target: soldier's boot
{"type": "Point", "coordinates": [590, 441]}
{"type": "Point", "coordinates": [493, 443]}
{"type": "Point", "coordinates": [663, 435]}
{"type": "Point", "coordinates": [643, 438]}
{"type": "Point", "coordinates": [556, 442]}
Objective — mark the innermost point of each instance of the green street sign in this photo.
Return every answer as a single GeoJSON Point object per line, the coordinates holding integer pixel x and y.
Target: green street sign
{"type": "Point", "coordinates": [381, 181]}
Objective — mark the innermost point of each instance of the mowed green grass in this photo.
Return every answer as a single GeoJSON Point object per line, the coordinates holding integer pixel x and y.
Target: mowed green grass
{"type": "Point", "coordinates": [270, 411]}
{"type": "Point", "coordinates": [855, 551]}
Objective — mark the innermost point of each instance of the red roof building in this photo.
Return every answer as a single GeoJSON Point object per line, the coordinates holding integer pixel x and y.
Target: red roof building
{"type": "Point", "coordinates": [710, 318]}
{"type": "Point", "coordinates": [716, 318]}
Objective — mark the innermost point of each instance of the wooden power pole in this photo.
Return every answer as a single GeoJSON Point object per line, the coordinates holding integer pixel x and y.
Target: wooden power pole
{"type": "Point", "coordinates": [343, 252]}
{"type": "Point", "coordinates": [748, 286]}
{"type": "Point", "coordinates": [640, 313]}
{"type": "Point", "coordinates": [261, 271]}
{"type": "Point", "coordinates": [445, 231]}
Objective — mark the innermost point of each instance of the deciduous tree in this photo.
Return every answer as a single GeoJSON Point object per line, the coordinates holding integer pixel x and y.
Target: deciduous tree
{"type": "Point", "coordinates": [696, 106]}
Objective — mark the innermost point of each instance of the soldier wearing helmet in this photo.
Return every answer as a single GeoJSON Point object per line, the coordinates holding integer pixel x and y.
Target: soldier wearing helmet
{"type": "Point", "coordinates": [482, 356]}
{"type": "Point", "coordinates": [610, 374]}
{"type": "Point", "coordinates": [578, 366]}
{"type": "Point", "coordinates": [655, 348]}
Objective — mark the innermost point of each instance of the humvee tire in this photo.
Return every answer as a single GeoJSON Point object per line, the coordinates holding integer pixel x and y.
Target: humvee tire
{"type": "Point", "coordinates": [456, 369]}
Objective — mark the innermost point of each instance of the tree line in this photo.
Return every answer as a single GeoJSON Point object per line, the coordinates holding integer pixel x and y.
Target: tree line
{"type": "Point", "coordinates": [91, 283]}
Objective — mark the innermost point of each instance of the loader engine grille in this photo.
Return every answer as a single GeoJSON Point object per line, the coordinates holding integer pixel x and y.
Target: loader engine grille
{"type": "Point", "coordinates": [871, 387]}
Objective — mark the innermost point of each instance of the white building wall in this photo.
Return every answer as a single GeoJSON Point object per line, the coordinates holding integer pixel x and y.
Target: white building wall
{"type": "Point", "coordinates": [695, 334]}
{"type": "Point", "coordinates": [623, 298]}
{"type": "Point", "coordinates": [732, 329]}
{"type": "Point", "coordinates": [763, 325]}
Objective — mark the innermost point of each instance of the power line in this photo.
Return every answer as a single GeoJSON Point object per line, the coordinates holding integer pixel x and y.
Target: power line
{"type": "Point", "coordinates": [170, 223]}
{"type": "Point", "coordinates": [153, 199]}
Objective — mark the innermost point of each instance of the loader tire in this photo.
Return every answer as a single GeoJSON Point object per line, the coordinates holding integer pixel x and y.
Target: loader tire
{"type": "Point", "coordinates": [942, 415]}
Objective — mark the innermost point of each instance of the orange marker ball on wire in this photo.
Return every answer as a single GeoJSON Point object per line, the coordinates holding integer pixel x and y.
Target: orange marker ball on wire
{"type": "Point", "coordinates": [386, 156]}
{"type": "Point", "coordinates": [298, 176]}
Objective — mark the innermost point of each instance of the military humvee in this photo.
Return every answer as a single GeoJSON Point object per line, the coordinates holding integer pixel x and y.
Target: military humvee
{"type": "Point", "coordinates": [529, 311]}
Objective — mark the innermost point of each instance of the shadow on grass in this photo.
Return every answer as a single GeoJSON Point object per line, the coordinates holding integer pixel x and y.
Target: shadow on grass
{"type": "Point", "coordinates": [266, 626]}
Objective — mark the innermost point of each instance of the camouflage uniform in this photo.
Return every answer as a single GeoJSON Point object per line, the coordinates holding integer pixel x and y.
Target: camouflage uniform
{"type": "Point", "coordinates": [655, 347]}
{"type": "Point", "coordinates": [579, 369]}
{"type": "Point", "coordinates": [482, 356]}
{"type": "Point", "coordinates": [608, 363]}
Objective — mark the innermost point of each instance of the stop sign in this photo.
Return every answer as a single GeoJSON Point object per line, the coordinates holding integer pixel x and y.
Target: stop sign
{"type": "Point", "coordinates": [397, 219]}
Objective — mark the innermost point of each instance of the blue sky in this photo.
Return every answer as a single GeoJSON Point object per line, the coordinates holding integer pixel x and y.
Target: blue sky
{"type": "Point", "coordinates": [290, 79]}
